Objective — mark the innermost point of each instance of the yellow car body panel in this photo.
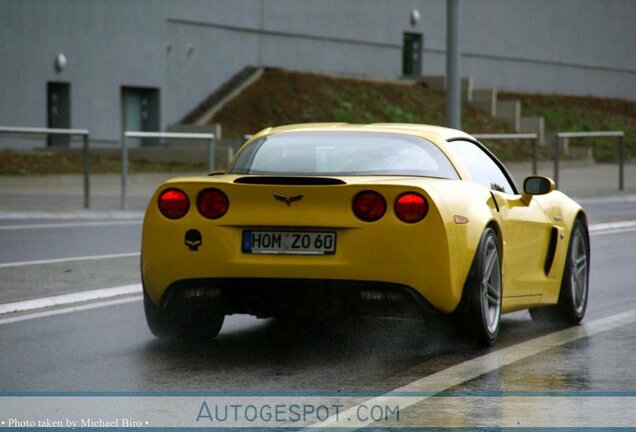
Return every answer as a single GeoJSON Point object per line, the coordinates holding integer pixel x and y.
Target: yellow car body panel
{"type": "Point", "coordinates": [364, 251]}
{"type": "Point", "coordinates": [432, 257]}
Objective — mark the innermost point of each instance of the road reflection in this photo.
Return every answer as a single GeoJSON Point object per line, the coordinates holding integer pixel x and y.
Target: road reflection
{"type": "Point", "coordinates": [315, 354]}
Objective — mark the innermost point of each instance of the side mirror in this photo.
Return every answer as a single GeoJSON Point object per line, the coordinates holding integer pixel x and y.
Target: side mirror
{"type": "Point", "coordinates": [536, 185]}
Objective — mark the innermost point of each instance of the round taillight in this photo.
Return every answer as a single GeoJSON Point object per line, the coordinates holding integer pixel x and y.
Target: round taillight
{"type": "Point", "coordinates": [369, 206]}
{"type": "Point", "coordinates": [173, 203]}
{"type": "Point", "coordinates": [411, 207]}
{"type": "Point", "coordinates": [212, 203]}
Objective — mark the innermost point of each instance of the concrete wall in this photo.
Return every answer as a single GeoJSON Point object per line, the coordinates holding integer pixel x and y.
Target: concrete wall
{"type": "Point", "coordinates": [108, 44]}
{"type": "Point", "coordinates": [565, 46]}
{"type": "Point", "coordinates": [187, 48]}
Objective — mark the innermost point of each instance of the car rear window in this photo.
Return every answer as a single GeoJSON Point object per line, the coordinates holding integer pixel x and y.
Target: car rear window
{"type": "Point", "coordinates": [343, 153]}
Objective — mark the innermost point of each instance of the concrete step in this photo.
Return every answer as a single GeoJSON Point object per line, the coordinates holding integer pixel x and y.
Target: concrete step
{"type": "Point", "coordinates": [438, 82]}
{"type": "Point", "coordinates": [485, 99]}
{"type": "Point", "coordinates": [533, 124]}
{"type": "Point", "coordinates": [509, 111]}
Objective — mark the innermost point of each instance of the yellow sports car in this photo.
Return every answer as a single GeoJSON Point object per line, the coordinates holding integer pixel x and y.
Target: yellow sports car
{"type": "Point", "coordinates": [383, 219]}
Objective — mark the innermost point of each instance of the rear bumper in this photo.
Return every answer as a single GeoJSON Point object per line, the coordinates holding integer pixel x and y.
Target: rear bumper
{"type": "Point", "coordinates": [265, 297]}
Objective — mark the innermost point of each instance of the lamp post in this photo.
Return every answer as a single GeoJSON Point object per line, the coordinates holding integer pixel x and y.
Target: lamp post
{"type": "Point", "coordinates": [453, 55]}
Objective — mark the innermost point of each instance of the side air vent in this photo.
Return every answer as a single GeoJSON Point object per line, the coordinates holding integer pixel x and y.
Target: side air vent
{"type": "Point", "coordinates": [549, 259]}
{"type": "Point", "coordinates": [284, 180]}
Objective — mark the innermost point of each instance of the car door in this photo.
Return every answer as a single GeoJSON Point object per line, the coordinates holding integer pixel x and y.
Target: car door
{"type": "Point", "coordinates": [525, 228]}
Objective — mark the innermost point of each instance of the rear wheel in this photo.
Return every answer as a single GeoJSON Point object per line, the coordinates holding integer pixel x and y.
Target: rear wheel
{"type": "Point", "coordinates": [156, 318]}
{"type": "Point", "coordinates": [572, 303]}
{"type": "Point", "coordinates": [187, 323]}
{"type": "Point", "coordinates": [481, 309]}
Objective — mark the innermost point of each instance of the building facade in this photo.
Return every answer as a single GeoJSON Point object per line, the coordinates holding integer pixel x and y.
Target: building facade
{"type": "Point", "coordinates": [106, 65]}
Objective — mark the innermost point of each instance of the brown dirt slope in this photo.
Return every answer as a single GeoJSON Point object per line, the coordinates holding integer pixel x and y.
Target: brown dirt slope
{"type": "Point", "coordinates": [284, 97]}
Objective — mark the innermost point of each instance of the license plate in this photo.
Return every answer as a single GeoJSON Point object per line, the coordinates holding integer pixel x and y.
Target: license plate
{"type": "Point", "coordinates": [289, 242]}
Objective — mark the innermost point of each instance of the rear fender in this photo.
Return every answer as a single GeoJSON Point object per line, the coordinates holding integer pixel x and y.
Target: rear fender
{"type": "Point", "coordinates": [467, 209]}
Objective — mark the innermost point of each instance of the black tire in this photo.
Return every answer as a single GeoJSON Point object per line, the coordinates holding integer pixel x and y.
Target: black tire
{"type": "Point", "coordinates": [573, 295]}
{"type": "Point", "coordinates": [187, 324]}
{"type": "Point", "coordinates": [480, 307]}
{"type": "Point", "coordinates": [156, 318]}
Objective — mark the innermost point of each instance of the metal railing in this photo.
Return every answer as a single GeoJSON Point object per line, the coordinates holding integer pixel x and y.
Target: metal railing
{"type": "Point", "coordinates": [84, 133]}
{"type": "Point", "coordinates": [520, 136]}
{"type": "Point", "coordinates": [611, 134]}
{"type": "Point", "coordinates": [208, 137]}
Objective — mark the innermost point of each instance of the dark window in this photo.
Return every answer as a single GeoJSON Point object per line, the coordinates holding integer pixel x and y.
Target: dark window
{"type": "Point", "coordinates": [140, 108]}
{"type": "Point", "coordinates": [58, 112]}
{"type": "Point", "coordinates": [481, 166]}
{"type": "Point", "coordinates": [343, 153]}
{"type": "Point", "coordinates": [412, 55]}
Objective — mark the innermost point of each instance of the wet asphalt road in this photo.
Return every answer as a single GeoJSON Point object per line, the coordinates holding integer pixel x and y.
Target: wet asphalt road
{"type": "Point", "coordinates": [110, 349]}
{"type": "Point", "coordinates": [62, 238]}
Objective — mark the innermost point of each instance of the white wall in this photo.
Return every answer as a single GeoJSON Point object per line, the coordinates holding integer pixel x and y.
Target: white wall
{"type": "Point", "coordinates": [565, 46]}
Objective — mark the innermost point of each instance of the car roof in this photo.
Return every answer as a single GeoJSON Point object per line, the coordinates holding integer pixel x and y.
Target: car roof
{"type": "Point", "coordinates": [409, 128]}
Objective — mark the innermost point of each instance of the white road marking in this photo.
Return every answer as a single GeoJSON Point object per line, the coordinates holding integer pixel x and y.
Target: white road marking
{"type": "Point", "coordinates": [612, 227]}
{"type": "Point", "coordinates": [67, 225]}
{"type": "Point", "coordinates": [471, 369]}
{"type": "Point", "coordinates": [72, 259]}
{"type": "Point", "coordinates": [66, 310]}
{"type": "Point", "coordinates": [66, 299]}
{"type": "Point", "coordinates": [606, 199]}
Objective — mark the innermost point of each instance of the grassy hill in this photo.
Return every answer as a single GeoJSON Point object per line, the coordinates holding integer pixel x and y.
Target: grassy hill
{"type": "Point", "coordinates": [283, 97]}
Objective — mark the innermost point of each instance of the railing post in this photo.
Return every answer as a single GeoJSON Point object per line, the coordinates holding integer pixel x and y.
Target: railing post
{"type": "Point", "coordinates": [621, 162]}
{"type": "Point", "coordinates": [211, 154]}
{"type": "Point", "coordinates": [557, 155]}
{"type": "Point", "coordinates": [124, 172]}
{"type": "Point", "coordinates": [87, 171]}
{"type": "Point", "coordinates": [535, 155]}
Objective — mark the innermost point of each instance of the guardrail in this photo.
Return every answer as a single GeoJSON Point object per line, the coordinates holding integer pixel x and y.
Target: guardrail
{"type": "Point", "coordinates": [520, 136]}
{"type": "Point", "coordinates": [139, 134]}
{"type": "Point", "coordinates": [84, 133]}
{"type": "Point", "coordinates": [596, 134]}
